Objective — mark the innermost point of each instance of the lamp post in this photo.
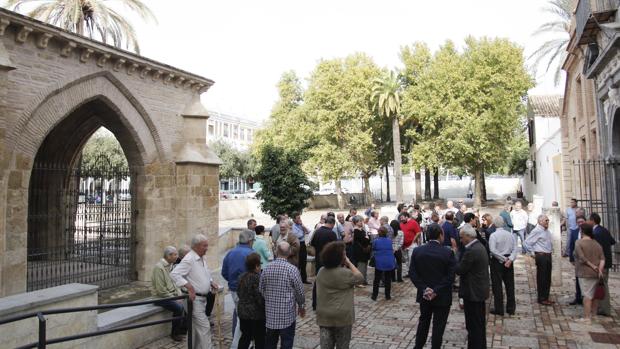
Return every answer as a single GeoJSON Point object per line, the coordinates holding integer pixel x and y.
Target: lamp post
{"type": "Point", "coordinates": [381, 177]}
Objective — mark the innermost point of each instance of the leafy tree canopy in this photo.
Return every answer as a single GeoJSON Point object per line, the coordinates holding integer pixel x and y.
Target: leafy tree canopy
{"type": "Point", "coordinates": [102, 149]}
{"type": "Point", "coordinates": [235, 163]}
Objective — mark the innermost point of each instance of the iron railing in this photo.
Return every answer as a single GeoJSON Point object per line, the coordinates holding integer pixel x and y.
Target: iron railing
{"type": "Point", "coordinates": [43, 341]}
{"type": "Point", "coordinates": [587, 16]}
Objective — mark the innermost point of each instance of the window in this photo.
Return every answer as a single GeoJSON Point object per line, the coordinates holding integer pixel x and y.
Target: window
{"type": "Point", "coordinates": [226, 130]}
{"type": "Point", "coordinates": [235, 132]}
{"type": "Point", "coordinates": [211, 130]}
{"type": "Point", "coordinates": [242, 134]}
{"type": "Point", "coordinates": [250, 135]}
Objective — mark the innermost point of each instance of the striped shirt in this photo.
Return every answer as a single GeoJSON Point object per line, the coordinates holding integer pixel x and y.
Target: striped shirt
{"type": "Point", "coordinates": [281, 286]}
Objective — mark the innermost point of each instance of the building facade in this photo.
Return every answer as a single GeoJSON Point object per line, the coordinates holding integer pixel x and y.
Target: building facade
{"type": "Point", "coordinates": [594, 64]}
{"type": "Point", "coordinates": [545, 175]}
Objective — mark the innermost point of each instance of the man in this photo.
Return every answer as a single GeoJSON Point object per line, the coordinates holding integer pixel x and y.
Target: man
{"type": "Point", "coordinates": [531, 218]}
{"type": "Point", "coordinates": [275, 230]}
{"type": "Point", "coordinates": [193, 274]}
{"type": "Point", "coordinates": [504, 250]}
{"type": "Point", "coordinates": [232, 267]}
{"type": "Point", "coordinates": [432, 272]}
{"type": "Point", "coordinates": [474, 289]}
{"type": "Point", "coordinates": [385, 222]}
{"type": "Point", "coordinates": [293, 241]}
{"type": "Point", "coordinates": [164, 287]}
{"type": "Point", "coordinates": [570, 252]}
{"type": "Point", "coordinates": [300, 231]}
{"type": "Point", "coordinates": [410, 229]}
{"type": "Point", "coordinates": [251, 224]}
{"type": "Point", "coordinates": [451, 235]}
{"type": "Point", "coordinates": [281, 286]}
{"type": "Point", "coordinates": [352, 213]}
{"type": "Point", "coordinates": [539, 242]}
{"type": "Point", "coordinates": [505, 214]}
{"type": "Point", "coordinates": [519, 223]}
{"type": "Point", "coordinates": [400, 208]}
{"type": "Point", "coordinates": [321, 237]}
{"type": "Point", "coordinates": [450, 207]}
{"type": "Point", "coordinates": [459, 216]}
{"type": "Point", "coordinates": [343, 227]}
{"type": "Point", "coordinates": [604, 238]}
{"type": "Point", "coordinates": [571, 217]}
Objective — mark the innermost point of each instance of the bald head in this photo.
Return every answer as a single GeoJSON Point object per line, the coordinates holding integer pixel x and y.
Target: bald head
{"type": "Point", "coordinates": [283, 250]}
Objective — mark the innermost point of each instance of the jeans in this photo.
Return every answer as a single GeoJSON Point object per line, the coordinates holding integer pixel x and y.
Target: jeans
{"type": "Point", "coordinates": [520, 234]}
{"type": "Point", "coordinates": [286, 336]}
{"type": "Point", "coordinates": [177, 310]}
{"type": "Point", "coordinates": [335, 337]}
{"type": "Point", "coordinates": [252, 330]}
{"type": "Point", "coordinates": [439, 316]}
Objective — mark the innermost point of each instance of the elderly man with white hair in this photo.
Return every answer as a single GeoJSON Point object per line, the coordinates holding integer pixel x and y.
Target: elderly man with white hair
{"type": "Point", "coordinates": [539, 242]}
{"type": "Point", "coordinates": [162, 286]}
{"type": "Point", "coordinates": [194, 274]}
{"type": "Point", "coordinates": [504, 251]}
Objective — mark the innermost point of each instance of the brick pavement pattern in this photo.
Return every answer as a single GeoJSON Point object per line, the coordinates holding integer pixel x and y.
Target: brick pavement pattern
{"type": "Point", "coordinates": [392, 324]}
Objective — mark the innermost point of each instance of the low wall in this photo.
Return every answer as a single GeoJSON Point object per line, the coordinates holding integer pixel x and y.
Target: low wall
{"type": "Point", "coordinates": [238, 208]}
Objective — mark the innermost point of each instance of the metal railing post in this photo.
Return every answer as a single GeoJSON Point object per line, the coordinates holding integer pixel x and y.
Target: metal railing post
{"type": "Point", "coordinates": [42, 331]}
{"type": "Point", "coordinates": [190, 309]}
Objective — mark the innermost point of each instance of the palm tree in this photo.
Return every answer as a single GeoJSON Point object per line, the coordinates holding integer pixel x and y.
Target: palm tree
{"type": "Point", "coordinates": [94, 18]}
{"type": "Point", "coordinates": [386, 98]}
{"type": "Point", "coordinates": [554, 50]}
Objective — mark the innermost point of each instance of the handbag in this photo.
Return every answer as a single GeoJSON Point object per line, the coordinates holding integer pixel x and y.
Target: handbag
{"type": "Point", "coordinates": [599, 292]}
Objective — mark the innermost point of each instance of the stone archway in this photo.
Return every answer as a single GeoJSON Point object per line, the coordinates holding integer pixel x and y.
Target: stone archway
{"type": "Point", "coordinates": [74, 235]}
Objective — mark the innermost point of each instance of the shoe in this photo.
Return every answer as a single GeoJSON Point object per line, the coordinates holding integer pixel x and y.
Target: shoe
{"type": "Point", "coordinates": [576, 302]}
{"type": "Point", "coordinates": [584, 321]}
{"type": "Point", "coordinates": [387, 298]}
{"type": "Point", "coordinates": [546, 302]}
{"type": "Point", "coordinates": [510, 313]}
{"type": "Point", "coordinates": [492, 311]}
{"type": "Point", "coordinates": [600, 313]}
{"type": "Point", "coordinates": [373, 298]}
{"type": "Point", "coordinates": [176, 337]}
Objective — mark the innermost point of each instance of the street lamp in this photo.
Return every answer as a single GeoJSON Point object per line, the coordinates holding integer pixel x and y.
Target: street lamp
{"type": "Point", "coordinates": [529, 164]}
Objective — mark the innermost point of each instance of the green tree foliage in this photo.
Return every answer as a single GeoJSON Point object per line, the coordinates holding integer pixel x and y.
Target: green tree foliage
{"type": "Point", "coordinates": [285, 187]}
{"type": "Point", "coordinates": [468, 106]}
{"type": "Point", "coordinates": [235, 163]}
{"type": "Point", "coordinates": [102, 149]}
{"type": "Point", "coordinates": [93, 18]}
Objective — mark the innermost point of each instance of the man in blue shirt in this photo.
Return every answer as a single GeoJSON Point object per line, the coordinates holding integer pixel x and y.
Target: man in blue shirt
{"type": "Point", "coordinates": [451, 235]}
{"type": "Point", "coordinates": [232, 267]}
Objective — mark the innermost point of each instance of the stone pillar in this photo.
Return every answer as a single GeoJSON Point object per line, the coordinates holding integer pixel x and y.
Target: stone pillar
{"type": "Point", "coordinates": [555, 220]}
{"type": "Point", "coordinates": [539, 202]}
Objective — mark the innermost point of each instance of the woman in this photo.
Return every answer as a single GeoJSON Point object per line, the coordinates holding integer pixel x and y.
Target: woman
{"type": "Point", "coordinates": [397, 246]}
{"type": "Point", "coordinates": [335, 312]}
{"type": "Point", "coordinates": [251, 306]}
{"type": "Point", "coordinates": [487, 227]}
{"type": "Point", "coordinates": [385, 263]}
{"type": "Point", "coordinates": [361, 246]}
{"type": "Point", "coordinates": [262, 245]}
{"type": "Point", "coordinates": [589, 266]}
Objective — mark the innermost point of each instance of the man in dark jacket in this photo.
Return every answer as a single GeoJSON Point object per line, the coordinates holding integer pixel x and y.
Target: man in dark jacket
{"type": "Point", "coordinates": [604, 238]}
{"type": "Point", "coordinates": [432, 272]}
{"type": "Point", "coordinates": [321, 237]}
{"type": "Point", "coordinates": [474, 289]}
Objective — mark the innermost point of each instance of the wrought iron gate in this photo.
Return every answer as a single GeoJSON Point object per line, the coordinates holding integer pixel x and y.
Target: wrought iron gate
{"type": "Point", "coordinates": [596, 190]}
{"type": "Point", "coordinates": [80, 225]}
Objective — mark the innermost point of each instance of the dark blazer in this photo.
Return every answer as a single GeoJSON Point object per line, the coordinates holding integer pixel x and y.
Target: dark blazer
{"type": "Point", "coordinates": [572, 240]}
{"type": "Point", "coordinates": [474, 272]}
{"type": "Point", "coordinates": [432, 265]}
{"type": "Point", "coordinates": [604, 238]}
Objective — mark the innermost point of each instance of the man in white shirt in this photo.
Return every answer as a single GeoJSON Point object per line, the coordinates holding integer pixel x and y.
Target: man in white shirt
{"type": "Point", "coordinates": [519, 223]}
{"type": "Point", "coordinates": [193, 274]}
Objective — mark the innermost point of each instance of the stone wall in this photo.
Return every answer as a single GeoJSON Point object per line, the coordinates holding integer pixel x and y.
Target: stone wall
{"type": "Point", "coordinates": [152, 109]}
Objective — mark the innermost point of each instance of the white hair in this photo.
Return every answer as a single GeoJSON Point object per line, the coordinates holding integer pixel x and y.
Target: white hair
{"type": "Point", "coordinates": [499, 222]}
{"type": "Point", "coordinates": [542, 217]}
{"type": "Point", "coordinates": [283, 250]}
{"type": "Point", "coordinates": [197, 239]}
{"type": "Point", "coordinates": [168, 250]}
{"type": "Point", "coordinates": [468, 230]}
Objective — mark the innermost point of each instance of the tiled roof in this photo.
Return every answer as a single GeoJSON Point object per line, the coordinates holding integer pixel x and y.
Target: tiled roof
{"type": "Point", "coordinates": [544, 105]}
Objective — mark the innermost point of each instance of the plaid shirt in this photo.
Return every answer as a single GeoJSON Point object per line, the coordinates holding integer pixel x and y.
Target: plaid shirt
{"type": "Point", "coordinates": [281, 286]}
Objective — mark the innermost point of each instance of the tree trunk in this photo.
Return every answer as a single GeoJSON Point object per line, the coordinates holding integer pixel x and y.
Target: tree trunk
{"type": "Point", "coordinates": [339, 196]}
{"type": "Point", "coordinates": [418, 186]}
{"type": "Point", "coordinates": [398, 160]}
{"type": "Point", "coordinates": [436, 184]}
{"type": "Point", "coordinates": [483, 183]}
{"type": "Point", "coordinates": [427, 184]}
{"type": "Point", "coordinates": [387, 183]}
{"type": "Point", "coordinates": [478, 187]}
{"type": "Point", "coordinates": [367, 194]}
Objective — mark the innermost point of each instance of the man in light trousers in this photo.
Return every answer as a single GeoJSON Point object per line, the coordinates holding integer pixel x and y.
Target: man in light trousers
{"type": "Point", "coordinates": [193, 274]}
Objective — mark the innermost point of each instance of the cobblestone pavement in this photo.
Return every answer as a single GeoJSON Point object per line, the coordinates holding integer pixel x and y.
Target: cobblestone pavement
{"type": "Point", "coordinates": [392, 324]}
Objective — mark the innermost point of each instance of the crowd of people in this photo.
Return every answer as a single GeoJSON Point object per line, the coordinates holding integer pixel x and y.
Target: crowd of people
{"type": "Point", "coordinates": [441, 251]}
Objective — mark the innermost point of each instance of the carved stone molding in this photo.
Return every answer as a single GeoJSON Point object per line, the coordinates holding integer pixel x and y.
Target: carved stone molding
{"type": "Point", "coordinates": [168, 78]}
{"type": "Point", "coordinates": [4, 23]}
{"type": "Point", "coordinates": [179, 81]}
{"type": "Point", "coordinates": [86, 53]}
{"type": "Point", "coordinates": [67, 49]}
{"type": "Point", "coordinates": [157, 74]}
{"type": "Point", "coordinates": [118, 65]}
{"type": "Point", "coordinates": [22, 34]}
{"type": "Point", "coordinates": [145, 72]}
{"type": "Point", "coordinates": [133, 67]}
{"type": "Point", "coordinates": [44, 39]}
{"type": "Point", "coordinates": [103, 59]}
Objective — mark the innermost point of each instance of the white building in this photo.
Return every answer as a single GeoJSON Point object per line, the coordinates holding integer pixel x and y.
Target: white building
{"type": "Point", "coordinates": [545, 139]}
{"type": "Point", "coordinates": [233, 130]}
{"type": "Point", "coordinates": [236, 131]}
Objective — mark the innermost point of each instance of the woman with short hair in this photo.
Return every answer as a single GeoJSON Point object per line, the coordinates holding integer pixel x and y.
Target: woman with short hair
{"type": "Point", "coordinates": [385, 263]}
{"type": "Point", "coordinates": [361, 246]}
{"type": "Point", "coordinates": [589, 266]}
{"type": "Point", "coordinates": [335, 311]}
{"type": "Point", "coordinates": [251, 306]}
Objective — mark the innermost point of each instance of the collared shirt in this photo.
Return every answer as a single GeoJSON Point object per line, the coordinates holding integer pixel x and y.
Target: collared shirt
{"type": "Point", "coordinates": [299, 231]}
{"type": "Point", "coordinates": [193, 269]}
{"type": "Point", "coordinates": [502, 244]}
{"type": "Point", "coordinates": [397, 241]}
{"type": "Point", "coordinates": [281, 286]}
{"type": "Point", "coordinates": [162, 284]}
{"type": "Point", "coordinates": [539, 240]}
{"type": "Point", "coordinates": [339, 230]}
{"type": "Point", "coordinates": [532, 218]}
{"type": "Point", "coordinates": [471, 243]}
{"type": "Point", "coordinates": [260, 246]}
{"type": "Point", "coordinates": [519, 219]}
{"type": "Point", "coordinates": [373, 224]}
{"type": "Point", "coordinates": [234, 264]}
{"type": "Point", "coordinates": [571, 218]}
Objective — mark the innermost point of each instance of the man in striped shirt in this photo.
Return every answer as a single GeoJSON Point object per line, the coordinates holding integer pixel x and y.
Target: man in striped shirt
{"type": "Point", "coordinates": [281, 286]}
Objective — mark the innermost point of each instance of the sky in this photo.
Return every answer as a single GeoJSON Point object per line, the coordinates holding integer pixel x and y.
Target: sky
{"type": "Point", "coordinates": [245, 46]}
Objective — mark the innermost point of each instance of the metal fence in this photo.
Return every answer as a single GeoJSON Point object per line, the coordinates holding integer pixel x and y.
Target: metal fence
{"type": "Point", "coordinates": [597, 191]}
{"type": "Point", "coordinates": [80, 225]}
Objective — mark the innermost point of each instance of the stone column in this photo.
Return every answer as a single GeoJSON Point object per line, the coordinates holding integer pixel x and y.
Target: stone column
{"type": "Point", "coordinates": [555, 219]}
